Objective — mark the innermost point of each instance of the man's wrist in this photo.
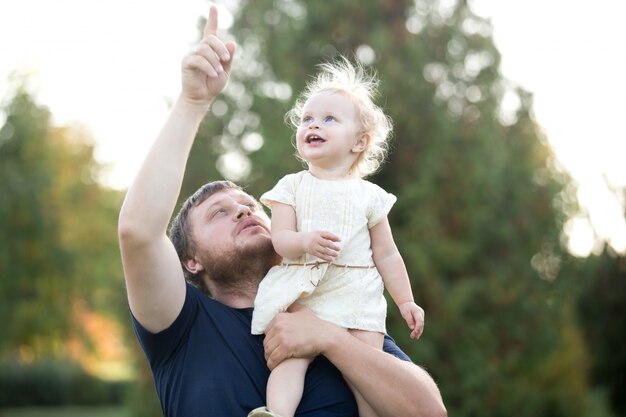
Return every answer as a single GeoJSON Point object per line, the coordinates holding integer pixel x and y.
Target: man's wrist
{"type": "Point", "coordinates": [195, 109]}
{"type": "Point", "coordinates": [335, 337]}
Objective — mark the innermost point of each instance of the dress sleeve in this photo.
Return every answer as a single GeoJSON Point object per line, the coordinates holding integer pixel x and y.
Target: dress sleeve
{"type": "Point", "coordinates": [283, 192]}
{"type": "Point", "coordinates": [380, 204]}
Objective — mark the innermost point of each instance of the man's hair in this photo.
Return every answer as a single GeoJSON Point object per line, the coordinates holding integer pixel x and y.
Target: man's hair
{"type": "Point", "coordinates": [342, 76]}
{"type": "Point", "coordinates": [180, 229]}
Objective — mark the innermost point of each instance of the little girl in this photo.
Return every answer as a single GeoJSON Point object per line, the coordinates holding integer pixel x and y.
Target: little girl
{"type": "Point", "coordinates": [331, 228]}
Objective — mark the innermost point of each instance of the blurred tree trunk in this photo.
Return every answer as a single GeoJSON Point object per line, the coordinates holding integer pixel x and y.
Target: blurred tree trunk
{"type": "Point", "coordinates": [603, 314]}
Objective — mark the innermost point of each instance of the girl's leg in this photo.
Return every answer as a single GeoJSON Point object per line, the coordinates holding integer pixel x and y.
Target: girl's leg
{"type": "Point", "coordinates": [285, 386]}
{"type": "Point", "coordinates": [376, 340]}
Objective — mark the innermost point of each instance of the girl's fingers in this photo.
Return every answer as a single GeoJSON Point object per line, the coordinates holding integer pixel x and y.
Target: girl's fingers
{"type": "Point", "coordinates": [330, 236]}
{"type": "Point", "coordinates": [331, 245]}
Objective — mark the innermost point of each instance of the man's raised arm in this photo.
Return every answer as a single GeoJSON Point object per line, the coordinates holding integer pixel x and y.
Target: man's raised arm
{"type": "Point", "coordinates": [154, 279]}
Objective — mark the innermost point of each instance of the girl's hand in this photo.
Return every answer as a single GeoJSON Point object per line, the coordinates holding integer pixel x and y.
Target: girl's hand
{"type": "Point", "coordinates": [321, 244]}
{"type": "Point", "coordinates": [206, 70]}
{"type": "Point", "coordinates": [414, 317]}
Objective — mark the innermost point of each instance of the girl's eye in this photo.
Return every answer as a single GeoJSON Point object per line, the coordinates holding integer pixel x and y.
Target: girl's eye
{"type": "Point", "coordinates": [307, 119]}
{"type": "Point", "coordinates": [329, 118]}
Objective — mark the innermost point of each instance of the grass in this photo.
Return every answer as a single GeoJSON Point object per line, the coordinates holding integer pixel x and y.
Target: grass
{"type": "Point", "coordinates": [105, 411]}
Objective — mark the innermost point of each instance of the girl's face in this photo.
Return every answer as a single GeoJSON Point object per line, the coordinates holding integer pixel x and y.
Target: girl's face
{"type": "Point", "coordinates": [329, 134]}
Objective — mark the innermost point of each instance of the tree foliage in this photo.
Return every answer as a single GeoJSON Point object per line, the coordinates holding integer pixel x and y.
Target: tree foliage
{"type": "Point", "coordinates": [477, 219]}
{"type": "Point", "coordinates": [58, 230]}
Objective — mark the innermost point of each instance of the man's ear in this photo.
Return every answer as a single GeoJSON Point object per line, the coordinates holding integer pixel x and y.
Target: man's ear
{"type": "Point", "coordinates": [361, 143]}
{"type": "Point", "coordinates": [193, 266]}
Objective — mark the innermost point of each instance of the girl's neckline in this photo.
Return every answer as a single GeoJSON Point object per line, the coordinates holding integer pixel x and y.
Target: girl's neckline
{"type": "Point", "coordinates": [331, 179]}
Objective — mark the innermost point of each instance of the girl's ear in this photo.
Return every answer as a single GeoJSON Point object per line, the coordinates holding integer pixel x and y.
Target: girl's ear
{"type": "Point", "coordinates": [193, 266]}
{"type": "Point", "coordinates": [361, 143]}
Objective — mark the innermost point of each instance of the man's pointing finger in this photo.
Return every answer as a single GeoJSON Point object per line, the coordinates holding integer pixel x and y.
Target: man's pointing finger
{"type": "Point", "coordinates": [211, 25]}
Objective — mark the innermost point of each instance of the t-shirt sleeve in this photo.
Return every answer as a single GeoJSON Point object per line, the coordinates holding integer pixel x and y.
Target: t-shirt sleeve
{"type": "Point", "coordinates": [283, 192]}
{"type": "Point", "coordinates": [159, 346]}
{"type": "Point", "coordinates": [380, 204]}
{"type": "Point", "coordinates": [389, 346]}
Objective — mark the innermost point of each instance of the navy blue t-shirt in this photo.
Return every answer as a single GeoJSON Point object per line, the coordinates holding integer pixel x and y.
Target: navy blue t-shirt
{"type": "Point", "coordinates": [207, 363]}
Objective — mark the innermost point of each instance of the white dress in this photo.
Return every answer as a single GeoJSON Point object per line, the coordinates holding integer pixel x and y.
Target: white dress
{"type": "Point", "coordinates": [347, 296]}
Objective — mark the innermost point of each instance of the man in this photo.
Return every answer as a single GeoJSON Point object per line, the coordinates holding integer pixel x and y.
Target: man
{"type": "Point", "coordinates": [202, 355]}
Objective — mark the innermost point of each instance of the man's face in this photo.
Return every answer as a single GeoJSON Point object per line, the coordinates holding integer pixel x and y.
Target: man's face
{"type": "Point", "coordinates": [228, 222]}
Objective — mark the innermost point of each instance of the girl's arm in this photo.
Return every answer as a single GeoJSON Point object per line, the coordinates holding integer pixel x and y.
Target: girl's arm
{"type": "Point", "coordinates": [291, 244]}
{"type": "Point", "coordinates": [389, 263]}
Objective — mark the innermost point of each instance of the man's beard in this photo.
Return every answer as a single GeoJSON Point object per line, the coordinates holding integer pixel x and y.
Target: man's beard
{"type": "Point", "coordinates": [241, 269]}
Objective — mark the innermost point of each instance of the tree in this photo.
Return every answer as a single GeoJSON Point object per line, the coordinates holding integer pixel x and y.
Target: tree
{"type": "Point", "coordinates": [476, 219]}
{"type": "Point", "coordinates": [59, 230]}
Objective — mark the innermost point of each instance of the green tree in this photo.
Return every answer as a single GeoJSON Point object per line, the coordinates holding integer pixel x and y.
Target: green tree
{"type": "Point", "coordinates": [58, 230]}
{"type": "Point", "coordinates": [477, 218]}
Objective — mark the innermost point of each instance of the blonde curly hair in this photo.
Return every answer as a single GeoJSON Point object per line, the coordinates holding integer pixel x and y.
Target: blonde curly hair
{"type": "Point", "coordinates": [341, 76]}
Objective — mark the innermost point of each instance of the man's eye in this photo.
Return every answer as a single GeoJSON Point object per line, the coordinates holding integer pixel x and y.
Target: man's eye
{"type": "Point", "coordinates": [218, 212]}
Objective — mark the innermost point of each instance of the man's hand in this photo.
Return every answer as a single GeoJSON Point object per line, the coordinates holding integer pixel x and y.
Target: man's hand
{"type": "Point", "coordinates": [414, 317]}
{"type": "Point", "coordinates": [298, 333]}
{"type": "Point", "coordinates": [206, 70]}
{"type": "Point", "coordinates": [321, 244]}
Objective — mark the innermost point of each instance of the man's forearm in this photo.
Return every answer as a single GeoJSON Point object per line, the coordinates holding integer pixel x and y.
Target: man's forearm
{"type": "Point", "coordinates": [152, 196]}
{"type": "Point", "coordinates": [391, 386]}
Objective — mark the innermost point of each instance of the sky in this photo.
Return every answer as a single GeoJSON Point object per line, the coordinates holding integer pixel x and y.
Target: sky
{"type": "Point", "coordinates": [113, 66]}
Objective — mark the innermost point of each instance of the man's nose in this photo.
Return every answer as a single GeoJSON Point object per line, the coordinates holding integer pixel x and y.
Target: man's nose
{"type": "Point", "coordinates": [243, 211]}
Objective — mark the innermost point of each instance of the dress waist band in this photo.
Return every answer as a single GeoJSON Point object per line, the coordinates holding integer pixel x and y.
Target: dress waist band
{"type": "Point", "coordinates": [316, 265]}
